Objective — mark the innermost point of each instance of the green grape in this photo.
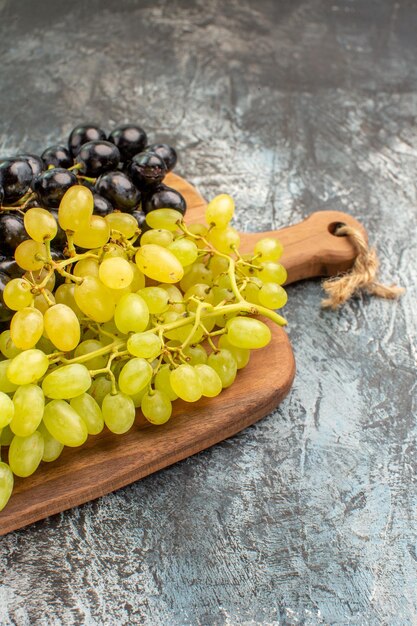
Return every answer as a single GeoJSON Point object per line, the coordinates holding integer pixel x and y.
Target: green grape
{"type": "Point", "coordinates": [218, 265]}
{"type": "Point", "coordinates": [270, 272]}
{"type": "Point", "coordinates": [65, 295]}
{"type": "Point", "coordinates": [66, 382]}
{"type": "Point", "coordinates": [43, 300]}
{"type": "Point", "coordinates": [93, 235]}
{"type": "Point", "coordinates": [220, 210]}
{"type": "Point", "coordinates": [198, 273]}
{"type": "Point", "coordinates": [6, 436]}
{"type": "Point", "coordinates": [62, 327]}
{"type": "Point", "coordinates": [272, 296]}
{"type": "Point", "coordinates": [241, 355]}
{"type": "Point", "coordinates": [156, 407]}
{"type": "Point", "coordinates": [176, 299]}
{"type": "Point", "coordinates": [225, 240]}
{"type": "Point", "coordinates": [144, 345]}
{"type": "Point", "coordinates": [164, 218]}
{"type": "Point", "coordinates": [7, 347]}
{"type": "Point", "coordinates": [115, 273]}
{"type": "Point", "coordinates": [65, 424]}
{"type": "Point", "coordinates": [162, 382]}
{"type": "Point", "coordinates": [26, 368]}
{"type": "Point", "coordinates": [159, 263]}
{"type": "Point", "coordinates": [6, 386]}
{"type": "Point", "coordinates": [111, 250]}
{"type": "Point", "coordinates": [251, 291]}
{"type": "Point", "coordinates": [137, 397]}
{"type": "Point", "coordinates": [118, 294]}
{"type": "Point", "coordinates": [87, 347]}
{"type": "Point", "coordinates": [159, 236]}
{"type": "Point", "coordinates": [118, 412]}
{"type": "Point", "coordinates": [76, 208]}
{"type": "Point", "coordinates": [94, 299]}
{"type": "Point", "coordinates": [210, 380]}
{"type": "Point", "coordinates": [268, 249]}
{"type": "Point", "coordinates": [200, 230]}
{"type": "Point", "coordinates": [52, 447]}
{"type": "Point", "coordinates": [186, 383]}
{"type": "Point", "coordinates": [46, 346]}
{"type": "Point", "coordinates": [18, 294]}
{"type": "Point", "coordinates": [99, 388]}
{"type": "Point", "coordinates": [131, 314]}
{"type": "Point", "coordinates": [122, 223]}
{"type": "Point", "coordinates": [156, 299]}
{"type": "Point", "coordinates": [247, 332]}
{"type": "Point", "coordinates": [221, 294]}
{"type": "Point", "coordinates": [40, 224]}
{"type": "Point", "coordinates": [224, 363]}
{"type": "Point", "coordinates": [6, 484]}
{"type": "Point", "coordinates": [29, 255]}
{"type": "Point", "coordinates": [86, 267]}
{"type": "Point", "coordinates": [135, 375]}
{"type": "Point", "coordinates": [200, 291]}
{"type": "Point", "coordinates": [138, 280]}
{"type": "Point", "coordinates": [6, 410]}
{"type": "Point", "coordinates": [195, 354]}
{"type": "Point", "coordinates": [39, 277]}
{"type": "Point", "coordinates": [26, 328]}
{"type": "Point", "coordinates": [181, 333]}
{"type": "Point", "coordinates": [29, 403]}
{"type": "Point", "coordinates": [25, 454]}
{"type": "Point", "coordinates": [185, 250]}
{"type": "Point", "coordinates": [89, 411]}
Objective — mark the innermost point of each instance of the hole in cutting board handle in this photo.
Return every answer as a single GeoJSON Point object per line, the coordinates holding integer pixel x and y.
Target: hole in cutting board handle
{"type": "Point", "coordinates": [334, 226]}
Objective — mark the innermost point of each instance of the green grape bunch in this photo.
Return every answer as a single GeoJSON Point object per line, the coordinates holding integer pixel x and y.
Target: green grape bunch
{"type": "Point", "coordinates": [135, 321]}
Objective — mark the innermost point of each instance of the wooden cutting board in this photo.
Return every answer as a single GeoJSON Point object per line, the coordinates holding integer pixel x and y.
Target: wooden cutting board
{"type": "Point", "coordinates": [107, 462]}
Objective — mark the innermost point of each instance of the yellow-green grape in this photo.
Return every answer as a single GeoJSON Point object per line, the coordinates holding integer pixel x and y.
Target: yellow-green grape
{"type": "Point", "coordinates": [156, 299]}
{"type": "Point", "coordinates": [90, 412]}
{"type": "Point", "coordinates": [86, 267]}
{"type": "Point", "coordinates": [131, 314]}
{"type": "Point", "coordinates": [210, 380]}
{"type": "Point", "coordinates": [137, 397]}
{"type": "Point", "coordinates": [76, 208]}
{"type": "Point", "coordinates": [109, 328]}
{"type": "Point", "coordinates": [18, 294]}
{"type": "Point", "coordinates": [144, 345]}
{"type": "Point", "coordinates": [185, 250]}
{"type": "Point", "coordinates": [94, 299]}
{"type": "Point", "coordinates": [115, 273]}
{"type": "Point", "coordinates": [136, 374]}
{"type": "Point", "coordinates": [118, 412]}
{"type": "Point", "coordinates": [99, 388]}
{"type": "Point", "coordinates": [241, 355]}
{"type": "Point", "coordinates": [86, 348]}
{"type": "Point", "coordinates": [268, 249]}
{"type": "Point", "coordinates": [6, 410]}
{"type": "Point", "coordinates": [220, 210]}
{"type": "Point", "coordinates": [225, 240]}
{"type": "Point", "coordinates": [159, 236]}
{"type": "Point", "coordinates": [164, 218]}
{"type": "Point", "coordinates": [201, 292]}
{"type": "Point", "coordinates": [156, 407]}
{"type": "Point", "coordinates": [271, 272]}
{"type": "Point", "coordinates": [200, 230]}
{"type": "Point", "coordinates": [159, 263]}
{"type": "Point", "coordinates": [273, 296]}
{"type": "Point", "coordinates": [138, 280]}
{"type": "Point", "coordinates": [52, 448]}
{"type": "Point", "coordinates": [220, 294]}
{"type": "Point", "coordinates": [195, 354]}
{"type": "Point", "coordinates": [44, 345]}
{"type": "Point", "coordinates": [122, 223]}
{"type": "Point", "coordinates": [117, 294]}
{"type": "Point", "coordinates": [6, 386]}
{"type": "Point", "coordinates": [224, 363]}
{"type": "Point", "coordinates": [247, 332]}
{"type": "Point", "coordinates": [176, 299]}
{"type": "Point", "coordinates": [65, 424]}
{"type": "Point", "coordinates": [29, 403]}
{"type": "Point", "coordinates": [40, 224]}
{"type": "Point", "coordinates": [65, 295]}
{"type": "Point", "coordinates": [26, 328]}
{"type": "Point", "coordinates": [94, 235]}
{"type": "Point", "coordinates": [7, 347]}
{"type": "Point", "coordinates": [198, 273]}
{"type": "Point", "coordinates": [111, 250]}
{"type": "Point", "coordinates": [182, 333]}
{"type": "Point", "coordinates": [6, 436]}
{"type": "Point", "coordinates": [186, 383]}
{"type": "Point", "coordinates": [39, 277]}
{"type": "Point", "coordinates": [62, 327]}
{"type": "Point", "coordinates": [43, 301]}
{"type": "Point", "coordinates": [25, 454]}
{"type": "Point", "coordinates": [27, 367]}
{"type": "Point", "coordinates": [67, 382]}
{"type": "Point", "coordinates": [6, 484]}
{"type": "Point", "coordinates": [30, 255]}
{"type": "Point", "coordinates": [251, 290]}
{"type": "Point", "coordinates": [218, 265]}
{"type": "Point", "coordinates": [162, 381]}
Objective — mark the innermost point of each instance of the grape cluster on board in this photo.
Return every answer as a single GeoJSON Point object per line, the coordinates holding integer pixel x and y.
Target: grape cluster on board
{"type": "Point", "coordinates": [111, 302]}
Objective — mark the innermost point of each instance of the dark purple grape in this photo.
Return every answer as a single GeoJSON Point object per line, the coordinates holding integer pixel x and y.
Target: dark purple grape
{"type": "Point", "coordinates": [1, 195]}
{"type": "Point", "coordinates": [35, 162]}
{"type": "Point", "coordinates": [163, 197]}
{"type": "Point", "coordinates": [83, 134]}
{"type": "Point", "coordinates": [15, 178]}
{"type": "Point", "coordinates": [58, 156]}
{"type": "Point", "coordinates": [51, 185]}
{"type": "Point", "coordinates": [147, 170]}
{"type": "Point", "coordinates": [9, 266]}
{"type": "Point", "coordinates": [129, 139]}
{"type": "Point", "coordinates": [167, 153]}
{"type": "Point", "coordinates": [6, 314]}
{"type": "Point", "coordinates": [102, 206]}
{"type": "Point", "coordinates": [12, 231]}
{"type": "Point", "coordinates": [60, 239]}
{"type": "Point", "coordinates": [119, 190]}
{"type": "Point", "coordinates": [57, 255]}
{"type": "Point", "coordinates": [140, 217]}
{"type": "Point", "coordinates": [98, 157]}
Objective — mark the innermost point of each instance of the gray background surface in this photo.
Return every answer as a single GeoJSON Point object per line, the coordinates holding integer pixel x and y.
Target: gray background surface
{"type": "Point", "coordinates": [291, 106]}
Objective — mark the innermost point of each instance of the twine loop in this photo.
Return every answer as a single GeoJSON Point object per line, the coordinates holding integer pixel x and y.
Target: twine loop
{"type": "Point", "coordinates": [361, 277]}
